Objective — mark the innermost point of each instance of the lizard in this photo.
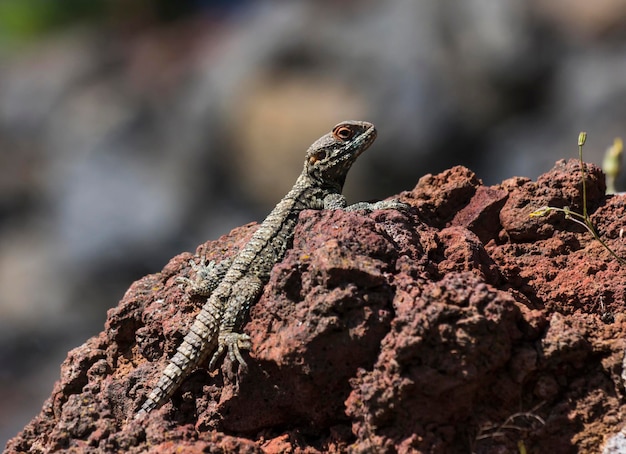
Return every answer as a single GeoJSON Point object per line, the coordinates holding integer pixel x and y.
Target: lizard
{"type": "Point", "coordinates": [233, 286]}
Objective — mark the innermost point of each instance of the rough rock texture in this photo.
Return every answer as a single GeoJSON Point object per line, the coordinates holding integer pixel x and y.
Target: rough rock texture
{"type": "Point", "coordinates": [461, 325]}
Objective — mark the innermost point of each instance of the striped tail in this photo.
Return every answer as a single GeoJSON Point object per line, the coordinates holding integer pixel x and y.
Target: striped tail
{"type": "Point", "coordinates": [197, 345]}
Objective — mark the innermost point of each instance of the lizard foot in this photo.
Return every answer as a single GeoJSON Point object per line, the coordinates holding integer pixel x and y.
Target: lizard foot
{"type": "Point", "coordinates": [234, 343]}
{"type": "Point", "coordinates": [207, 275]}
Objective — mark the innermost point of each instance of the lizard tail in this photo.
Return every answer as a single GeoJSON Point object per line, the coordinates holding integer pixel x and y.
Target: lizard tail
{"type": "Point", "coordinates": [196, 346]}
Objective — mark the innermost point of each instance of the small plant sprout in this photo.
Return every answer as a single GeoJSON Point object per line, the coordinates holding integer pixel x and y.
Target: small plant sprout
{"type": "Point", "coordinates": [612, 164]}
{"type": "Point", "coordinates": [582, 219]}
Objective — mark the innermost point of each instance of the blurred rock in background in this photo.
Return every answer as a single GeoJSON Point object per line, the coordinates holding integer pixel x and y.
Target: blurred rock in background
{"type": "Point", "coordinates": [129, 134]}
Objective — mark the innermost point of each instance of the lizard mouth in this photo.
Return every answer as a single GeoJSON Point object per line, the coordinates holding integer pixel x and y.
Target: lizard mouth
{"type": "Point", "coordinates": [367, 138]}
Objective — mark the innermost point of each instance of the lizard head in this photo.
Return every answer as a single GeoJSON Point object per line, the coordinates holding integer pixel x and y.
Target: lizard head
{"type": "Point", "coordinates": [330, 157]}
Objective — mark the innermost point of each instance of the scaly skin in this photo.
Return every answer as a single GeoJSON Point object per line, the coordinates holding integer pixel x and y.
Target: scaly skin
{"type": "Point", "coordinates": [233, 287]}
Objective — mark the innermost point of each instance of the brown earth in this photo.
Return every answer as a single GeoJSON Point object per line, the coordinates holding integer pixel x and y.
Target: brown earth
{"type": "Point", "coordinates": [459, 325]}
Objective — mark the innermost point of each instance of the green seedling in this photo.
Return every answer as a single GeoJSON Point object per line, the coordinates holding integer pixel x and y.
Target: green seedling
{"type": "Point", "coordinates": [581, 219]}
{"type": "Point", "coordinates": [612, 164]}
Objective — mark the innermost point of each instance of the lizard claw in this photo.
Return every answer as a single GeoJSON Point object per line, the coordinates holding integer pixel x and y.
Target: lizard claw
{"type": "Point", "coordinates": [234, 343]}
{"type": "Point", "coordinates": [183, 281]}
{"type": "Point", "coordinates": [205, 279]}
{"type": "Point", "coordinates": [204, 269]}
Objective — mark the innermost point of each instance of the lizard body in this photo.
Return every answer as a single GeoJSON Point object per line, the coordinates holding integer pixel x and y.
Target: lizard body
{"type": "Point", "coordinates": [232, 287]}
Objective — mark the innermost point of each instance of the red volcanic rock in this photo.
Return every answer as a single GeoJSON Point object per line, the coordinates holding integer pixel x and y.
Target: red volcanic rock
{"type": "Point", "coordinates": [458, 325]}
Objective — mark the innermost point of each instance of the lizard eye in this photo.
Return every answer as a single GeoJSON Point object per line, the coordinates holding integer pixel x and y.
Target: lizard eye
{"type": "Point", "coordinates": [343, 133]}
{"type": "Point", "coordinates": [317, 156]}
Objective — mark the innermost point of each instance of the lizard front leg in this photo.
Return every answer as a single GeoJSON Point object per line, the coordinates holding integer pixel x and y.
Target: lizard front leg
{"type": "Point", "coordinates": [380, 205]}
{"type": "Point", "coordinates": [337, 201]}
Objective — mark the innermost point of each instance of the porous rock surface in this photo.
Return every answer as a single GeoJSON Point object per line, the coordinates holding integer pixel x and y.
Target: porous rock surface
{"type": "Point", "coordinates": [459, 325]}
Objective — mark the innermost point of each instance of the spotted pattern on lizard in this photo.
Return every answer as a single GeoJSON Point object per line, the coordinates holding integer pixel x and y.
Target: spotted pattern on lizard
{"type": "Point", "coordinates": [232, 287]}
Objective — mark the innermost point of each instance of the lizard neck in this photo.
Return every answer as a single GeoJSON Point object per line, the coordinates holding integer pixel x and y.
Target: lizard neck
{"type": "Point", "coordinates": [309, 192]}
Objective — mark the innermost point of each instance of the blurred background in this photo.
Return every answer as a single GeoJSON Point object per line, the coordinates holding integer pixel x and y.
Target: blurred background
{"type": "Point", "coordinates": [133, 131]}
